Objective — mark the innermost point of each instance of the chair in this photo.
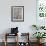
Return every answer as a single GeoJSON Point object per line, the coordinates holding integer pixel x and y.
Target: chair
{"type": "Point", "coordinates": [26, 37]}
{"type": "Point", "coordinates": [8, 36]}
{"type": "Point", "coordinates": [14, 32]}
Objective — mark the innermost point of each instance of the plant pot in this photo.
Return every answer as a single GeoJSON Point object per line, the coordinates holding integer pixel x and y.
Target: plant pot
{"type": "Point", "coordinates": [40, 41]}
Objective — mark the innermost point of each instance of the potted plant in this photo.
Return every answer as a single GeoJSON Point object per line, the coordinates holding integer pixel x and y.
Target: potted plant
{"type": "Point", "coordinates": [38, 27]}
{"type": "Point", "coordinates": [39, 35]}
{"type": "Point", "coordinates": [42, 27]}
{"type": "Point", "coordinates": [35, 27]}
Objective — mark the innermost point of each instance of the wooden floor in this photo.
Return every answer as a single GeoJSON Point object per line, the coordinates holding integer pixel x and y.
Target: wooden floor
{"type": "Point", "coordinates": [13, 44]}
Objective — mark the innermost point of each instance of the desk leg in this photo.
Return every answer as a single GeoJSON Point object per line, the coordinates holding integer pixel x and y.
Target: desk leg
{"type": "Point", "coordinates": [5, 40]}
{"type": "Point", "coordinates": [5, 43]}
{"type": "Point", "coordinates": [17, 40]}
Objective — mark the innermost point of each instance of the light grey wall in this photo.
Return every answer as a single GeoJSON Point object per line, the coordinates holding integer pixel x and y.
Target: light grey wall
{"type": "Point", "coordinates": [29, 15]}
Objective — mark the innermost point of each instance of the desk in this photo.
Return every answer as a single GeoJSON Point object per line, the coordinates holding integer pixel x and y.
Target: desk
{"type": "Point", "coordinates": [8, 34]}
{"type": "Point", "coordinates": [17, 43]}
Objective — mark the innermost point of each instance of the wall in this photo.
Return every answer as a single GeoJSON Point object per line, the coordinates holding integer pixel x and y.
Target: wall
{"type": "Point", "coordinates": [29, 15]}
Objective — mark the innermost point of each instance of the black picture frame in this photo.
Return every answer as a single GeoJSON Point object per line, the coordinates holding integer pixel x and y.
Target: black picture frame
{"type": "Point", "coordinates": [17, 13]}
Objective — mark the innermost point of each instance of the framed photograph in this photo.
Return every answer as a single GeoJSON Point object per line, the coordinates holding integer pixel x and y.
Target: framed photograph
{"type": "Point", "coordinates": [17, 13]}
